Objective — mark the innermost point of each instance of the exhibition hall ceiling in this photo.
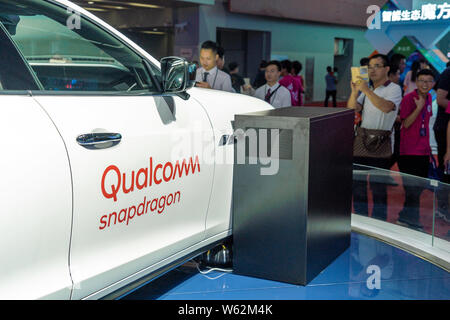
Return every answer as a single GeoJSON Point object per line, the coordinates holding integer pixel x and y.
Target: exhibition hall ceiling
{"type": "Point", "coordinates": [108, 5]}
{"type": "Point", "coordinates": [344, 12]}
{"type": "Point", "coordinates": [340, 12]}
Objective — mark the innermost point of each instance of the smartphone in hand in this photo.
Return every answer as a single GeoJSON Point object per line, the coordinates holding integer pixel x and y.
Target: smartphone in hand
{"type": "Point", "coordinates": [362, 72]}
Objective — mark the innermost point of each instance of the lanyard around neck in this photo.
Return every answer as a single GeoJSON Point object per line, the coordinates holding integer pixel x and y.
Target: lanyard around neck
{"type": "Point", "coordinates": [273, 92]}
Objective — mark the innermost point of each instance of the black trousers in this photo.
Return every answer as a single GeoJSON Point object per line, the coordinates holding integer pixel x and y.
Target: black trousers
{"type": "Point", "coordinates": [441, 140]}
{"type": "Point", "coordinates": [377, 186]}
{"type": "Point", "coordinates": [416, 166]}
{"type": "Point", "coordinates": [327, 97]}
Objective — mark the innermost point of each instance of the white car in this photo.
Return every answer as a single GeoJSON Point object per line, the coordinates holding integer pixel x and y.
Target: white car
{"type": "Point", "coordinates": [98, 188]}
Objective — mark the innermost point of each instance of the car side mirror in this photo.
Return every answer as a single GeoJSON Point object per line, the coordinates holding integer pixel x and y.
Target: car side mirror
{"type": "Point", "coordinates": [178, 75]}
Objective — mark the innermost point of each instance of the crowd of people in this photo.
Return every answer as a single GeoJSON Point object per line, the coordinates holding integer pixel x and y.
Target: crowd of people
{"type": "Point", "coordinates": [383, 103]}
{"type": "Point", "coordinates": [404, 111]}
{"type": "Point", "coordinates": [278, 83]}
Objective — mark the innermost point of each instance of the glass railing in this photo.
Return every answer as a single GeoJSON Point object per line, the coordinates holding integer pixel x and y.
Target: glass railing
{"type": "Point", "coordinates": [442, 212]}
{"type": "Point", "coordinates": [409, 201]}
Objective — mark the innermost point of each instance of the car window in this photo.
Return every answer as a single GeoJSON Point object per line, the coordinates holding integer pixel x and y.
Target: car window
{"type": "Point", "coordinates": [14, 72]}
{"type": "Point", "coordinates": [70, 53]}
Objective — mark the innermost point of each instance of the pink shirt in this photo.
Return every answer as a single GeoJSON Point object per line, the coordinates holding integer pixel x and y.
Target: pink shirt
{"type": "Point", "coordinates": [293, 84]}
{"type": "Point", "coordinates": [448, 108]}
{"type": "Point", "coordinates": [302, 90]}
{"type": "Point", "coordinates": [411, 141]}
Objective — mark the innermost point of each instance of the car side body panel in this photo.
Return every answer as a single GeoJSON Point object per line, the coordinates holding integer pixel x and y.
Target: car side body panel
{"type": "Point", "coordinates": [36, 204]}
{"type": "Point", "coordinates": [135, 203]}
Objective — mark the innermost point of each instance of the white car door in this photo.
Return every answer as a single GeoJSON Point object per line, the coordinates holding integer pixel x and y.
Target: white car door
{"type": "Point", "coordinates": [135, 201]}
{"type": "Point", "coordinates": [35, 189]}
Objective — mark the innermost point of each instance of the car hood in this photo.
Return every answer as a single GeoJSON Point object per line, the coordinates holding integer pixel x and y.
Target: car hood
{"type": "Point", "coordinates": [222, 106]}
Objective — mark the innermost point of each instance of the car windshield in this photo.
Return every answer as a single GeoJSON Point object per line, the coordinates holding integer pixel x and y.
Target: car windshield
{"type": "Point", "coordinates": [69, 52]}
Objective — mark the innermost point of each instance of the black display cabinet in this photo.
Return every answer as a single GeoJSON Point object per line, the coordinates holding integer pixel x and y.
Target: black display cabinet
{"type": "Point", "coordinates": [291, 192]}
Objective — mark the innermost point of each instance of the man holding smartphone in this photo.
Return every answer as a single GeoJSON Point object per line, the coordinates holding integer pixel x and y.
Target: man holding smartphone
{"type": "Point", "coordinates": [209, 76]}
{"type": "Point", "coordinates": [379, 105]}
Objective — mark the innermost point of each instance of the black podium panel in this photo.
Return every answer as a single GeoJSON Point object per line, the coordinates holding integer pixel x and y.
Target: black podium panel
{"type": "Point", "coordinates": [292, 202]}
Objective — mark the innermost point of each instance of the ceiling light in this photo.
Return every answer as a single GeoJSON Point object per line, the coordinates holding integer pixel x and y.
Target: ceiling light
{"type": "Point", "coordinates": [111, 7]}
{"type": "Point", "coordinates": [153, 32]}
{"type": "Point", "coordinates": [120, 5]}
{"type": "Point", "coordinates": [144, 5]}
{"type": "Point", "coordinates": [95, 9]}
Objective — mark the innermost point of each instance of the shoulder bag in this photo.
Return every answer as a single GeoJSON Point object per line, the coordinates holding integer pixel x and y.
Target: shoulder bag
{"type": "Point", "coordinates": [372, 143]}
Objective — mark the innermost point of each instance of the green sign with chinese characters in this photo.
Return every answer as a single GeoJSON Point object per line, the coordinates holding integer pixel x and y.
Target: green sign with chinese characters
{"type": "Point", "coordinates": [405, 47]}
{"type": "Point", "coordinates": [421, 12]}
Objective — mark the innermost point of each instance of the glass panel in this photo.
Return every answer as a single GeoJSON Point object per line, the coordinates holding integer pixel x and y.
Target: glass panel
{"type": "Point", "coordinates": [442, 221]}
{"type": "Point", "coordinates": [70, 53]}
{"type": "Point", "coordinates": [14, 73]}
{"type": "Point", "coordinates": [394, 197]}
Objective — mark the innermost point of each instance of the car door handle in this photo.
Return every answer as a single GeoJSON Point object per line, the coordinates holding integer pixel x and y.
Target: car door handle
{"type": "Point", "coordinates": [99, 140]}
